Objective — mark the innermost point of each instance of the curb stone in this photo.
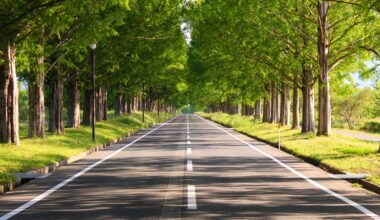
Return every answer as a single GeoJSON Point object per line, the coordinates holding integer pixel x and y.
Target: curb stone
{"type": "Point", "coordinates": [54, 166]}
{"type": "Point", "coordinates": [365, 184]}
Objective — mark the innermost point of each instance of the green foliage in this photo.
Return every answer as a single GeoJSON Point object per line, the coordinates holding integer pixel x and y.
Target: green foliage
{"type": "Point", "coordinates": [239, 48]}
{"type": "Point", "coordinates": [23, 104]}
{"type": "Point", "coordinates": [353, 106]}
{"type": "Point", "coordinates": [372, 126]}
{"type": "Point", "coordinates": [376, 106]}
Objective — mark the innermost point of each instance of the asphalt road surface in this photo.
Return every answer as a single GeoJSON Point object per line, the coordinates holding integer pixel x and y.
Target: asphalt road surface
{"type": "Point", "coordinates": [189, 168]}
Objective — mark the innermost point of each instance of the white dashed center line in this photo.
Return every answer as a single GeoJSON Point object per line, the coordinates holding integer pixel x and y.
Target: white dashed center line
{"type": "Point", "coordinates": [191, 199]}
{"type": "Point", "coordinates": [189, 165]}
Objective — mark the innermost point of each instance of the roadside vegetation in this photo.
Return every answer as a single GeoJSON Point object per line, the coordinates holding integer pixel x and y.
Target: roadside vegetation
{"type": "Point", "coordinates": [38, 152]}
{"type": "Point", "coordinates": [338, 151]}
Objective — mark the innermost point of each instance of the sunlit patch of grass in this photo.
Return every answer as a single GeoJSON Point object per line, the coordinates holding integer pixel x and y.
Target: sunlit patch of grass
{"type": "Point", "coordinates": [37, 152]}
{"type": "Point", "coordinates": [338, 151]}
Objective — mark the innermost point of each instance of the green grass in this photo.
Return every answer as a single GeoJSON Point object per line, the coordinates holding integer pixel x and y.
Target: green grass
{"type": "Point", "coordinates": [338, 151]}
{"type": "Point", "coordinates": [36, 152]}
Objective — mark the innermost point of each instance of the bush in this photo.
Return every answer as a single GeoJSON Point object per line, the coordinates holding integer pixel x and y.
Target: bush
{"type": "Point", "coordinates": [371, 126]}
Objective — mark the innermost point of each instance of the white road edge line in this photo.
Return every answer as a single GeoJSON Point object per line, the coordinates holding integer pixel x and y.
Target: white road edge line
{"type": "Point", "coordinates": [188, 150]}
{"type": "Point", "coordinates": [190, 166]}
{"type": "Point", "coordinates": [188, 136]}
{"type": "Point", "coordinates": [191, 199]}
{"type": "Point", "coordinates": [188, 142]}
{"type": "Point", "coordinates": [68, 180]}
{"type": "Point", "coordinates": [324, 188]}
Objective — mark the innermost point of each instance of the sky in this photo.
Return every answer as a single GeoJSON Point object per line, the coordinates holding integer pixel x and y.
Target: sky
{"type": "Point", "coordinates": [362, 83]}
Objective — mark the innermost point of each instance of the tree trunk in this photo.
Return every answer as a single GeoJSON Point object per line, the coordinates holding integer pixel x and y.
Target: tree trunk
{"type": "Point", "coordinates": [123, 104]}
{"type": "Point", "coordinates": [13, 96]}
{"type": "Point", "coordinates": [129, 105]}
{"type": "Point", "coordinates": [87, 107]}
{"type": "Point", "coordinates": [296, 107]}
{"type": "Point", "coordinates": [285, 106]}
{"type": "Point", "coordinates": [307, 101]}
{"type": "Point", "coordinates": [267, 110]}
{"type": "Point", "coordinates": [9, 120]}
{"type": "Point", "coordinates": [118, 104]}
{"type": "Point", "coordinates": [132, 103]}
{"type": "Point", "coordinates": [324, 105]}
{"type": "Point", "coordinates": [274, 114]}
{"type": "Point", "coordinates": [4, 84]}
{"type": "Point", "coordinates": [73, 105]}
{"type": "Point", "coordinates": [37, 103]}
{"type": "Point", "coordinates": [105, 106]}
{"type": "Point", "coordinates": [238, 109]}
{"type": "Point", "coordinates": [56, 105]}
{"type": "Point", "coordinates": [100, 103]}
{"type": "Point", "coordinates": [257, 110]}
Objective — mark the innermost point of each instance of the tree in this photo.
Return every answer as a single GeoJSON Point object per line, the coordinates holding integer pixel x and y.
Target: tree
{"type": "Point", "coordinates": [351, 107]}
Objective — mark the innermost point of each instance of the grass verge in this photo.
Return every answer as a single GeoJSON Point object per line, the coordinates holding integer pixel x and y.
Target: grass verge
{"type": "Point", "coordinates": [338, 151]}
{"type": "Point", "coordinates": [36, 152]}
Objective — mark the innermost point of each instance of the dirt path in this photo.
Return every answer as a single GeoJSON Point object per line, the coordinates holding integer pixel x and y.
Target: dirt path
{"type": "Point", "coordinates": [359, 136]}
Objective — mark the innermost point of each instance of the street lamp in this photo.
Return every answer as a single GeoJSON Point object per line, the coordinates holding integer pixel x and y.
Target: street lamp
{"type": "Point", "coordinates": [143, 101]}
{"type": "Point", "coordinates": [93, 47]}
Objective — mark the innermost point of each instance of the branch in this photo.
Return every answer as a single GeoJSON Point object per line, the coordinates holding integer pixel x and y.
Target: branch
{"type": "Point", "coordinates": [370, 49]}
{"type": "Point", "coordinates": [30, 11]}
{"type": "Point", "coordinates": [56, 61]}
{"type": "Point", "coordinates": [340, 59]}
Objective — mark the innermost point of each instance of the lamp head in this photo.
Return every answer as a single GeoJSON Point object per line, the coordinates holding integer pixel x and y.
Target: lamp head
{"type": "Point", "coordinates": [93, 46]}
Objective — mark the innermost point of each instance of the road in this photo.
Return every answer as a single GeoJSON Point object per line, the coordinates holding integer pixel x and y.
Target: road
{"type": "Point", "coordinates": [189, 168]}
{"type": "Point", "coordinates": [360, 136]}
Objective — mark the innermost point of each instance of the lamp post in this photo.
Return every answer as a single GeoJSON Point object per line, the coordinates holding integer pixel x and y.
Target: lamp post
{"type": "Point", "coordinates": [143, 102]}
{"type": "Point", "coordinates": [93, 47]}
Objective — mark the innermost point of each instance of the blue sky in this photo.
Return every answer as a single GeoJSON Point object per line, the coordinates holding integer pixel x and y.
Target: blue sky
{"type": "Point", "coordinates": [362, 83]}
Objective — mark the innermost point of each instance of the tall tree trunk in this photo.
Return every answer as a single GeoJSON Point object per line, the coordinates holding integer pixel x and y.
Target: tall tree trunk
{"type": "Point", "coordinates": [129, 104]}
{"type": "Point", "coordinates": [73, 102]}
{"type": "Point", "coordinates": [4, 84]}
{"type": "Point", "coordinates": [36, 91]}
{"type": "Point", "coordinates": [136, 103]}
{"type": "Point", "coordinates": [238, 108]}
{"type": "Point", "coordinates": [123, 104]}
{"type": "Point", "coordinates": [158, 106]}
{"type": "Point", "coordinates": [13, 96]}
{"type": "Point", "coordinates": [87, 107]}
{"type": "Point", "coordinates": [118, 98]}
{"type": "Point", "coordinates": [56, 105]}
{"type": "Point", "coordinates": [274, 114]}
{"type": "Point", "coordinates": [285, 106]}
{"type": "Point", "coordinates": [99, 103]}
{"type": "Point", "coordinates": [105, 106]}
{"type": "Point", "coordinates": [257, 112]}
{"type": "Point", "coordinates": [324, 105]}
{"type": "Point", "coordinates": [267, 110]}
{"type": "Point", "coordinates": [9, 124]}
{"type": "Point", "coordinates": [133, 103]}
{"type": "Point", "coordinates": [307, 101]}
{"type": "Point", "coordinates": [296, 106]}
{"type": "Point", "coordinates": [37, 103]}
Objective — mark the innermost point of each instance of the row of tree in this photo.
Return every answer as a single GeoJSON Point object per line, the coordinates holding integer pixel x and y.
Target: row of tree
{"type": "Point", "coordinates": [44, 45]}
{"type": "Point", "coordinates": [246, 52]}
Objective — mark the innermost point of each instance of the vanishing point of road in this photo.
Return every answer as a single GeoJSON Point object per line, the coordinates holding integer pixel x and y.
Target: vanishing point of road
{"type": "Point", "coordinates": [189, 168]}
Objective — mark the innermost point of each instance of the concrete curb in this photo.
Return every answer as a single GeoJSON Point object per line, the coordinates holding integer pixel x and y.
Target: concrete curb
{"type": "Point", "coordinates": [366, 184]}
{"type": "Point", "coordinates": [54, 166]}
